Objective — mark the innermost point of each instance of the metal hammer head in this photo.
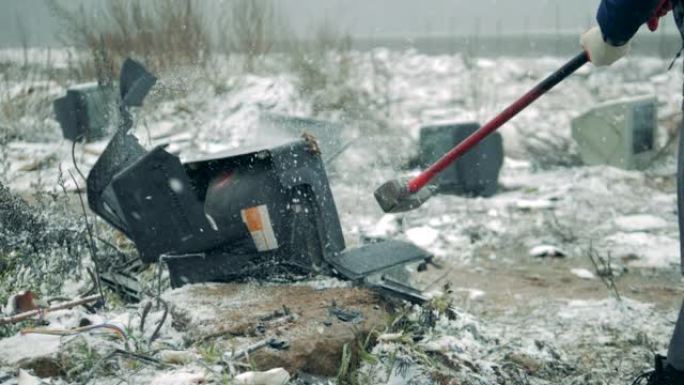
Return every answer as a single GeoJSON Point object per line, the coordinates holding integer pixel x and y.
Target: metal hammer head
{"type": "Point", "coordinates": [395, 197]}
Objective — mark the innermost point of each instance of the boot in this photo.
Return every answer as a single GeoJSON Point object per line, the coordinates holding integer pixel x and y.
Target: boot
{"type": "Point", "coordinates": [664, 374]}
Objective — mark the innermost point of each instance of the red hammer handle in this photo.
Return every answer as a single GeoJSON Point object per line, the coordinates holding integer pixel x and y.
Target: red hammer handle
{"type": "Point", "coordinates": [417, 183]}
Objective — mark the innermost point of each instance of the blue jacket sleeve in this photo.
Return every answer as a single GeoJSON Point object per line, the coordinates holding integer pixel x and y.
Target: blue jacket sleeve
{"type": "Point", "coordinates": [620, 19]}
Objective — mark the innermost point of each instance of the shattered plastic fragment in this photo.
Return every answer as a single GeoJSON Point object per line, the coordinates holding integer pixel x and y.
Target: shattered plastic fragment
{"type": "Point", "coordinates": [544, 251]}
{"type": "Point", "coordinates": [278, 376]}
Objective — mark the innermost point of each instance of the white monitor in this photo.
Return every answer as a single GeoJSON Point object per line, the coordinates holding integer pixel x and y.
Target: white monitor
{"type": "Point", "coordinates": [618, 133]}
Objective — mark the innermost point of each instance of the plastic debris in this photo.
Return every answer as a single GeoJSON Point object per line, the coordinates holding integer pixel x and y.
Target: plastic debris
{"type": "Point", "coordinates": [272, 343]}
{"type": "Point", "coordinates": [345, 315]}
{"type": "Point", "coordinates": [20, 303]}
{"type": "Point", "coordinates": [545, 251]}
{"type": "Point", "coordinates": [278, 376]}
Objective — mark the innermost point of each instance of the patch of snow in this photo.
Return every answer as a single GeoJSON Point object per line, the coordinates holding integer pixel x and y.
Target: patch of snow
{"type": "Point", "coordinates": [423, 236]}
{"type": "Point", "coordinates": [387, 226]}
{"type": "Point", "coordinates": [473, 294]}
{"type": "Point", "coordinates": [179, 377]}
{"type": "Point", "coordinates": [633, 223]}
{"type": "Point", "coordinates": [443, 344]}
{"type": "Point", "coordinates": [534, 204]}
{"type": "Point", "coordinates": [19, 347]}
{"type": "Point", "coordinates": [583, 273]}
{"type": "Point", "coordinates": [606, 311]}
{"type": "Point", "coordinates": [25, 378]}
{"type": "Point", "coordinates": [644, 249]}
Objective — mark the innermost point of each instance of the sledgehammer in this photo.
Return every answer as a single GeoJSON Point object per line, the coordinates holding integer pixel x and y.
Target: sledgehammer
{"type": "Point", "coordinates": [398, 196]}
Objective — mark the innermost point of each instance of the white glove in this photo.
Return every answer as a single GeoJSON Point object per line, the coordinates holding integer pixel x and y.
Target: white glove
{"type": "Point", "coordinates": [600, 52]}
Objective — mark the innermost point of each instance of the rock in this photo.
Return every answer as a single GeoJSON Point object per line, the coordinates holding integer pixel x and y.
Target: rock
{"type": "Point", "coordinates": [278, 376]}
{"type": "Point", "coordinates": [245, 312]}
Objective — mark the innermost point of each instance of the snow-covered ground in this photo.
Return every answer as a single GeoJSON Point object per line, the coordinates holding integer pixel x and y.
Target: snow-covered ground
{"type": "Point", "coordinates": [627, 218]}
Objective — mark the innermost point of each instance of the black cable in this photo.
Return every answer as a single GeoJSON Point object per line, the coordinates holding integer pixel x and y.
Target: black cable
{"type": "Point", "coordinates": [73, 158]}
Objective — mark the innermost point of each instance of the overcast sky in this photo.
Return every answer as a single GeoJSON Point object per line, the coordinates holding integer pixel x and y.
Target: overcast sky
{"type": "Point", "coordinates": [367, 18]}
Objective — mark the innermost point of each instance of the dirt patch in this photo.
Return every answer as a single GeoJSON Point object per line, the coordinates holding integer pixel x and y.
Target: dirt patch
{"type": "Point", "coordinates": [316, 324]}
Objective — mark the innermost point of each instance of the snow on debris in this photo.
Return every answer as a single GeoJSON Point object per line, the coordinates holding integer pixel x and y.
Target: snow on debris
{"type": "Point", "coordinates": [543, 251]}
{"type": "Point", "coordinates": [640, 223]}
{"type": "Point", "coordinates": [620, 213]}
{"type": "Point", "coordinates": [644, 250]}
{"type": "Point", "coordinates": [583, 273]}
{"type": "Point", "coordinates": [23, 346]}
{"type": "Point", "coordinates": [179, 377]}
{"type": "Point", "coordinates": [423, 236]}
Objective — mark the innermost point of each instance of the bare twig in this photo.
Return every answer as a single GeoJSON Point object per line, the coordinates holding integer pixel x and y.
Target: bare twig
{"type": "Point", "coordinates": [250, 29]}
{"type": "Point", "coordinates": [143, 317]}
{"type": "Point", "coordinates": [73, 159]}
{"type": "Point", "coordinates": [565, 233]}
{"type": "Point", "coordinates": [67, 305]}
{"type": "Point", "coordinates": [604, 270]}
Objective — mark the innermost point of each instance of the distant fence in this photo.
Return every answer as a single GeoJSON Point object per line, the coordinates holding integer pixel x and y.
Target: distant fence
{"type": "Point", "coordinates": [645, 44]}
{"type": "Point", "coordinates": [664, 45]}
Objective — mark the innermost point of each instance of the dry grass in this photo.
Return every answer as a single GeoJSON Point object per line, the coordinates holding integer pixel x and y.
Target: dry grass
{"type": "Point", "coordinates": [248, 28]}
{"type": "Point", "coordinates": [26, 99]}
{"type": "Point", "coordinates": [324, 69]}
{"type": "Point", "coordinates": [163, 34]}
{"type": "Point", "coordinates": [547, 151]}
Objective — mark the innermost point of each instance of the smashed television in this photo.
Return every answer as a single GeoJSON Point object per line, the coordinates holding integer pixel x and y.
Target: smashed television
{"type": "Point", "coordinates": [255, 212]}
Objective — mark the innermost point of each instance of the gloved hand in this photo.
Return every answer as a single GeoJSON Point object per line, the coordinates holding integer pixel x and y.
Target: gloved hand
{"type": "Point", "coordinates": [600, 52]}
{"type": "Point", "coordinates": [664, 7]}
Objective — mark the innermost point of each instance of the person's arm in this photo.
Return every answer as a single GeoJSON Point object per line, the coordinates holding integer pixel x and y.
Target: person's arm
{"type": "Point", "coordinates": [619, 21]}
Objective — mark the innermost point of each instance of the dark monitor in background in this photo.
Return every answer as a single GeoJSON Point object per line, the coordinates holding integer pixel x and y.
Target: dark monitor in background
{"type": "Point", "coordinates": [86, 112]}
{"type": "Point", "coordinates": [476, 173]}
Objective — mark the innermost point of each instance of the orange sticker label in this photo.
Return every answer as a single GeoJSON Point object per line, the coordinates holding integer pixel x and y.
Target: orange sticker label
{"type": "Point", "coordinates": [253, 219]}
{"type": "Point", "coordinates": [258, 222]}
